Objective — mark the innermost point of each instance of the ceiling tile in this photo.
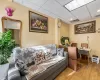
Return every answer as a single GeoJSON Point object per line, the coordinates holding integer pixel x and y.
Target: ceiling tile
{"type": "Point", "coordinates": [63, 2]}
{"type": "Point", "coordinates": [44, 11]}
{"type": "Point", "coordinates": [18, 1]}
{"type": "Point", "coordinates": [30, 5]}
{"type": "Point", "coordinates": [57, 9]}
{"type": "Point", "coordinates": [93, 7]}
{"type": "Point", "coordinates": [38, 2]}
{"type": "Point", "coordinates": [64, 20]}
{"type": "Point", "coordinates": [81, 13]}
{"type": "Point", "coordinates": [27, 4]}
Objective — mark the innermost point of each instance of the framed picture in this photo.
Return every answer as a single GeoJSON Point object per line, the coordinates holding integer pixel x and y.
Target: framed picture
{"type": "Point", "coordinates": [37, 23]}
{"type": "Point", "coordinates": [88, 27]}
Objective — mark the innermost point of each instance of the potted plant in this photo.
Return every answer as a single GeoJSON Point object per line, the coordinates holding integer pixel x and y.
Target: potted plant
{"type": "Point", "coordinates": [6, 46]}
{"type": "Point", "coordinates": [65, 41]}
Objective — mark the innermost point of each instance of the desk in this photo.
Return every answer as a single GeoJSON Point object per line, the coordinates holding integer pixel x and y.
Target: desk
{"type": "Point", "coordinates": [84, 52]}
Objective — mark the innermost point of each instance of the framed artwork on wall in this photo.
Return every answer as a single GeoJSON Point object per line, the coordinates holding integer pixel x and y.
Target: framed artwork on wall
{"type": "Point", "coordinates": [38, 23]}
{"type": "Point", "coordinates": [88, 27]}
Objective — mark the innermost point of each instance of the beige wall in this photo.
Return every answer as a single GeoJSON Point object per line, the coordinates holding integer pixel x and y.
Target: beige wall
{"type": "Point", "coordinates": [63, 31]}
{"type": "Point", "coordinates": [29, 38]}
{"type": "Point", "coordinates": [94, 38]}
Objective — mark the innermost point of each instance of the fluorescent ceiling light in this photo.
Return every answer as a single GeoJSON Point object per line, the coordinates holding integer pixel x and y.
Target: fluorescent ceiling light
{"type": "Point", "coordinates": [98, 10]}
{"type": "Point", "coordinates": [71, 19]}
{"type": "Point", "coordinates": [74, 4]}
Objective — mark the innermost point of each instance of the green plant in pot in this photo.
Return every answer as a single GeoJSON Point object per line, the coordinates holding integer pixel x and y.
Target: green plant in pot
{"type": "Point", "coordinates": [6, 46]}
{"type": "Point", "coordinates": [64, 41]}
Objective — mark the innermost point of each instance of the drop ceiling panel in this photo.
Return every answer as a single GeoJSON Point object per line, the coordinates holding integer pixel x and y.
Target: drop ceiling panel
{"type": "Point", "coordinates": [93, 7]}
{"type": "Point", "coordinates": [30, 5]}
{"type": "Point", "coordinates": [38, 2]}
{"type": "Point", "coordinates": [65, 20]}
{"type": "Point", "coordinates": [57, 9]}
{"type": "Point", "coordinates": [44, 11]}
{"type": "Point", "coordinates": [18, 1]}
{"type": "Point", "coordinates": [63, 2]}
{"type": "Point", "coordinates": [81, 13]}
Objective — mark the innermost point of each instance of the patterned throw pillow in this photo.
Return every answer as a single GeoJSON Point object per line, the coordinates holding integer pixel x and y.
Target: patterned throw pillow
{"type": "Point", "coordinates": [40, 57]}
{"type": "Point", "coordinates": [52, 47]}
{"type": "Point", "coordinates": [48, 54]}
{"type": "Point", "coordinates": [28, 56]}
{"type": "Point", "coordinates": [60, 51]}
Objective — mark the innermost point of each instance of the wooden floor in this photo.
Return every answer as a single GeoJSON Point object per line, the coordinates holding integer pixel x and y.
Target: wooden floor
{"type": "Point", "coordinates": [90, 72]}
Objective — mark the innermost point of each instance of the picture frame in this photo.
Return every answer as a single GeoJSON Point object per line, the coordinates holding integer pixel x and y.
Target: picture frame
{"type": "Point", "coordinates": [38, 23]}
{"type": "Point", "coordinates": [88, 27]}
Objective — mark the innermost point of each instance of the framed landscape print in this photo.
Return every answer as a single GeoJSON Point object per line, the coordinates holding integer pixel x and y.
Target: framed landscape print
{"type": "Point", "coordinates": [88, 27]}
{"type": "Point", "coordinates": [37, 23]}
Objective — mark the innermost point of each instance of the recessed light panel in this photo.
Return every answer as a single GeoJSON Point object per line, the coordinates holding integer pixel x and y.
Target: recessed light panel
{"type": "Point", "coordinates": [74, 4]}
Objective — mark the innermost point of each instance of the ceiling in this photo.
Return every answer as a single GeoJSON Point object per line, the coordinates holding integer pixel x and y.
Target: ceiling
{"type": "Point", "coordinates": [56, 9]}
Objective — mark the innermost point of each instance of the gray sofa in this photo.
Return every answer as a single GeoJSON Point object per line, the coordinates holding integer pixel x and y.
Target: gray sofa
{"type": "Point", "coordinates": [49, 74]}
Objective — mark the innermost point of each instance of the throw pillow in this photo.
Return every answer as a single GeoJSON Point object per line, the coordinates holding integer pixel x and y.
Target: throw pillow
{"type": "Point", "coordinates": [52, 47]}
{"type": "Point", "coordinates": [60, 51]}
{"type": "Point", "coordinates": [48, 55]}
{"type": "Point", "coordinates": [39, 58]}
{"type": "Point", "coordinates": [28, 56]}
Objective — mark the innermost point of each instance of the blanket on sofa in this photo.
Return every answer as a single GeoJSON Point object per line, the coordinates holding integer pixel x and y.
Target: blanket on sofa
{"type": "Point", "coordinates": [37, 69]}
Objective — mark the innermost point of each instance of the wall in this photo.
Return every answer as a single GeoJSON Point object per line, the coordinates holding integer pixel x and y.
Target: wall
{"type": "Point", "coordinates": [63, 31]}
{"type": "Point", "coordinates": [28, 38]}
{"type": "Point", "coordinates": [94, 38]}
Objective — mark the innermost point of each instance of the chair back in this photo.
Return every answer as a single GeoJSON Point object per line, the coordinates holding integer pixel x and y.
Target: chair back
{"type": "Point", "coordinates": [84, 45]}
{"type": "Point", "coordinates": [74, 45]}
{"type": "Point", "coordinates": [72, 52]}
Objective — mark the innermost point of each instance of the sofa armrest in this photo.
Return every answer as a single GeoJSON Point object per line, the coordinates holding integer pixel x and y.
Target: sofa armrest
{"type": "Point", "coordinates": [13, 72]}
{"type": "Point", "coordinates": [66, 55]}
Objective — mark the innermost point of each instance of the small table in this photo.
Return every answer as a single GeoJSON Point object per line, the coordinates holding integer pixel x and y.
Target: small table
{"type": "Point", "coordinates": [84, 52]}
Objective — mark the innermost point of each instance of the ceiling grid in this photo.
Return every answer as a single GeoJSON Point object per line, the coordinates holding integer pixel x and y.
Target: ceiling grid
{"type": "Point", "coordinates": [56, 9]}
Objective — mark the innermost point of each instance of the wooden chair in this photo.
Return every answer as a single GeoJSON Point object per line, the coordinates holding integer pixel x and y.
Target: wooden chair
{"type": "Point", "coordinates": [74, 45]}
{"type": "Point", "coordinates": [74, 62]}
{"type": "Point", "coordinates": [84, 45]}
{"type": "Point", "coordinates": [72, 58]}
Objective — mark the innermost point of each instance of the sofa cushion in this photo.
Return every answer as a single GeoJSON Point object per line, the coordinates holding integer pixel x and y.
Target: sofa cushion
{"type": "Point", "coordinates": [50, 71]}
{"type": "Point", "coordinates": [43, 67]}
